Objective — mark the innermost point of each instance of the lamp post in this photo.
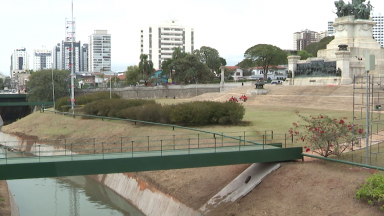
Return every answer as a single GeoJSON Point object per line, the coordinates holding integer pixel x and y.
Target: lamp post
{"type": "Point", "coordinates": [53, 90]}
{"type": "Point", "coordinates": [110, 87]}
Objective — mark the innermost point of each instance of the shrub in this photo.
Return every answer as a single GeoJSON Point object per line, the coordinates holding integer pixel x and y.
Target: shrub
{"type": "Point", "coordinates": [63, 105]}
{"type": "Point", "coordinates": [148, 112]}
{"type": "Point", "coordinates": [372, 190]}
{"type": "Point", "coordinates": [205, 112]}
{"type": "Point", "coordinates": [110, 107]}
{"type": "Point", "coordinates": [325, 135]}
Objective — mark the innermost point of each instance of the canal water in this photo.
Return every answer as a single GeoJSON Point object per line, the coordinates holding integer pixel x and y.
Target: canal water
{"type": "Point", "coordinates": [67, 196]}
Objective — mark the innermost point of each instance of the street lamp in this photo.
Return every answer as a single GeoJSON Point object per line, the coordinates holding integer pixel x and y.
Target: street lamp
{"type": "Point", "coordinates": [53, 90]}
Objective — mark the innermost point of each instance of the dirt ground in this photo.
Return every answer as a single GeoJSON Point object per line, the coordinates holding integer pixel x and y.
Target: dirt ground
{"type": "Point", "coordinates": [5, 209]}
{"type": "Point", "coordinates": [297, 188]}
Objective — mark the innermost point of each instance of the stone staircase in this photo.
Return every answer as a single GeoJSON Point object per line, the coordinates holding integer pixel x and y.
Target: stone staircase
{"type": "Point", "coordinates": [320, 97]}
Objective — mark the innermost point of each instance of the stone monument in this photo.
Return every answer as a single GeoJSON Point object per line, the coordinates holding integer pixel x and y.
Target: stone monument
{"type": "Point", "coordinates": [353, 40]}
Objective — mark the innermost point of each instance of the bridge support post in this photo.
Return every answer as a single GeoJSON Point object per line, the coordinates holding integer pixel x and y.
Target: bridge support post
{"type": "Point", "coordinates": [174, 144]}
{"type": "Point", "coordinates": [102, 148]}
{"type": "Point", "coordinates": [39, 153]}
{"type": "Point", "coordinates": [198, 140]}
{"type": "Point", "coordinates": [244, 137]}
{"type": "Point", "coordinates": [215, 144]}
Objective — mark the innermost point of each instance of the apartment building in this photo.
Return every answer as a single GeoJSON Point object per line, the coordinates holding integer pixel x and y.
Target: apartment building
{"type": "Point", "coordinates": [19, 61]}
{"type": "Point", "coordinates": [158, 41]}
{"type": "Point", "coordinates": [378, 29]}
{"type": "Point", "coordinates": [304, 38]}
{"type": "Point", "coordinates": [42, 59]}
{"type": "Point", "coordinates": [99, 51]}
{"type": "Point", "coordinates": [330, 28]}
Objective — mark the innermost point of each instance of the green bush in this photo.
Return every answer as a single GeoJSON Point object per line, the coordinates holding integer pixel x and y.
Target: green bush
{"type": "Point", "coordinates": [207, 112]}
{"type": "Point", "coordinates": [63, 106]}
{"type": "Point", "coordinates": [110, 107]}
{"type": "Point", "coordinates": [188, 114]}
{"type": "Point", "coordinates": [372, 190]}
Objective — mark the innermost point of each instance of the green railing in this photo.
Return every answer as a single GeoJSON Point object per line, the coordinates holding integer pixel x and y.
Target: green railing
{"type": "Point", "coordinates": [128, 146]}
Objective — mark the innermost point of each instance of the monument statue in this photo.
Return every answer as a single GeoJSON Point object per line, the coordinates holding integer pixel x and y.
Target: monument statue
{"type": "Point", "coordinates": [357, 8]}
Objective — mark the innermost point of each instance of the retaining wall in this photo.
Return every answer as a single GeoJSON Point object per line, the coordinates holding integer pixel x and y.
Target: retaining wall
{"type": "Point", "coordinates": [167, 91]}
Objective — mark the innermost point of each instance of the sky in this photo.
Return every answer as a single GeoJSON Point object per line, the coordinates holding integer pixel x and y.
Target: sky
{"type": "Point", "coordinates": [230, 26]}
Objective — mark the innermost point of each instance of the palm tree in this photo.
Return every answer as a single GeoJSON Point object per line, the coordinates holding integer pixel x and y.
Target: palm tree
{"type": "Point", "coordinates": [145, 66]}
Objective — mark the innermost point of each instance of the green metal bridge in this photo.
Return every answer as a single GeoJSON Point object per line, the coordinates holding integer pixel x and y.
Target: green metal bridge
{"type": "Point", "coordinates": [15, 106]}
{"type": "Point", "coordinates": [7, 100]}
{"type": "Point", "coordinates": [91, 156]}
{"type": "Point", "coordinates": [88, 156]}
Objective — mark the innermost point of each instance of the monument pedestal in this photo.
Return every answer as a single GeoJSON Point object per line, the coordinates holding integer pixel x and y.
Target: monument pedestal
{"type": "Point", "coordinates": [342, 63]}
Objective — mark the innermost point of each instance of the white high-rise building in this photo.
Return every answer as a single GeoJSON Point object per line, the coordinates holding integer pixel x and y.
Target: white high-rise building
{"type": "Point", "coordinates": [158, 41]}
{"type": "Point", "coordinates": [99, 51]}
{"type": "Point", "coordinates": [42, 59]}
{"type": "Point", "coordinates": [378, 29]}
{"type": "Point", "coordinates": [19, 61]}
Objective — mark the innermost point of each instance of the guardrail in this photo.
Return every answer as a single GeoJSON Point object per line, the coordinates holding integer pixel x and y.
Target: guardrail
{"type": "Point", "coordinates": [128, 146]}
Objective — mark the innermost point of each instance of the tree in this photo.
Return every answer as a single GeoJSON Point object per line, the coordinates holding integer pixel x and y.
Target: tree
{"type": "Point", "coordinates": [187, 68]}
{"type": "Point", "coordinates": [146, 66]}
{"type": "Point", "coordinates": [325, 135]}
{"type": "Point", "coordinates": [265, 56]}
{"type": "Point", "coordinates": [246, 63]}
{"type": "Point", "coordinates": [210, 57]}
{"type": "Point", "coordinates": [322, 44]}
{"type": "Point", "coordinates": [304, 54]}
{"type": "Point", "coordinates": [190, 69]}
{"type": "Point", "coordinates": [40, 85]}
{"type": "Point", "coordinates": [132, 74]}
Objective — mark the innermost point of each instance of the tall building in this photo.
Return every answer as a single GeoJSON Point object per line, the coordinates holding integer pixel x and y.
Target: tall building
{"type": "Point", "coordinates": [56, 57]}
{"type": "Point", "coordinates": [99, 49]}
{"type": "Point", "coordinates": [304, 38]}
{"type": "Point", "coordinates": [84, 58]}
{"type": "Point", "coordinates": [330, 28]}
{"type": "Point", "coordinates": [378, 29]}
{"type": "Point", "coordinates": [66, 56]}
{"type": "Point", "coordinates": [42, 59]}
{"type": "Point", "coordinates": [158, 41]}
{"type": "Point", "coordinates": [19, 61]}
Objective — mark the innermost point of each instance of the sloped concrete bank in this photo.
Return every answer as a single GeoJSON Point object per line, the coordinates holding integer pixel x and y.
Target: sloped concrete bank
{"type": "Point", "coordinates": [145, 197]}
{"type": "Point", "coordinates": [13, 205]}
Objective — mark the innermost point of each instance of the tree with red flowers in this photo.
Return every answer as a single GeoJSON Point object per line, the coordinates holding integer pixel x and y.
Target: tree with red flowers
{"type": "Point", "coordinates": [325, 135]}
